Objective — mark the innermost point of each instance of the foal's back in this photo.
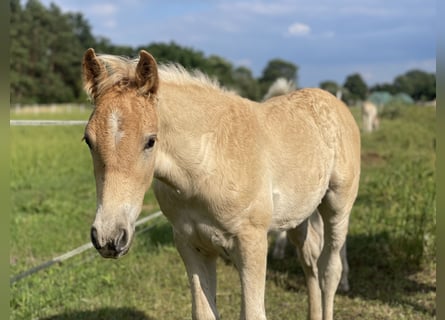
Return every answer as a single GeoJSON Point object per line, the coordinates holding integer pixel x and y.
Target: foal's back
{"type": "Point", "coordinates": [313, 142]}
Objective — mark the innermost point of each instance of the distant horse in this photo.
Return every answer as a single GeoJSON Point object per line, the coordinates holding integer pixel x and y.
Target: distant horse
{"type": "Point", "coordinates": [370, 116]}
{"type": "Point", "coordinates": [282, 86]}
{"type": "Point", "coordinates": [226, 172]}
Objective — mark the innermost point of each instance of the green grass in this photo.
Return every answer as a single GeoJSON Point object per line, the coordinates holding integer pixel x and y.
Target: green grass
{"type": "Point", "coordinates": [391, 244]}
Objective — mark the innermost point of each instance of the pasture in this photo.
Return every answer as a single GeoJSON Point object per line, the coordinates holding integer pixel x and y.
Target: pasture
{"type": "Point", "coordinates": [391, 242]}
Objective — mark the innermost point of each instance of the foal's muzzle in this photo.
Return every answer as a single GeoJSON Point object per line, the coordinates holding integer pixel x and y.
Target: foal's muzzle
{"type": "Point", "coordinates": [114, 247]}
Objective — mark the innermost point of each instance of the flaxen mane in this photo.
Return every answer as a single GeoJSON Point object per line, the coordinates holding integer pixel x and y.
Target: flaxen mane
{"type": "Point", "coordinates": [120, 72]}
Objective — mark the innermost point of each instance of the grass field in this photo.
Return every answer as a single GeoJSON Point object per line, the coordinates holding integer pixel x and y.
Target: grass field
{"type": "Point", "coordinates": [391, 243]}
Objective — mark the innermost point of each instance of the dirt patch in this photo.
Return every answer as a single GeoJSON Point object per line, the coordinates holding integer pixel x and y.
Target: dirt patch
{"type": "Point", "coordinates": [372, 158]}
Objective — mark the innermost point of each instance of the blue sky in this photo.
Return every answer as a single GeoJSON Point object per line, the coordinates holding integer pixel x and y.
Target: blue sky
{"type": "Point", "coordinates": [327, 40]}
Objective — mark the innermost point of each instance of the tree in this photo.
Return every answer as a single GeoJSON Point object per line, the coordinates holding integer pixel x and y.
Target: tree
{"type": "Point", "coordinates": [47, 46]}
{"type": "Point", "coordinates": [383, 87]}
{"type": "Point", "coordinates": [221, 69]}
{"type": "Point", "coordinates": [21, 83]}
{"type": "Point", "coordinates": [172, 52]}
{"type": "Point", "coordinates": [45, 55]}
{"type": "Point", "coordinates": [81, 29]}
{"type": "Point", "coordinates": [245, 83]}
{"type": "Point", "coordinates": [420, 85]}
{"type": "Point", "coordinates": [330, 86]}
{"type": "Point", "coordinates": [355, 89]}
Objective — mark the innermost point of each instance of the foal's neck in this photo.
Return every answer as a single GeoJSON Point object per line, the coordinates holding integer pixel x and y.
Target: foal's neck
{"type": "Point", "coordinates": [193, 120]}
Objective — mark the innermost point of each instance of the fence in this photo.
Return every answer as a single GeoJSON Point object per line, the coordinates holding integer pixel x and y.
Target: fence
{"type": "Point", "coordinates": [46, 122]}
{"type": "Point", "coordinates": [47, 108]}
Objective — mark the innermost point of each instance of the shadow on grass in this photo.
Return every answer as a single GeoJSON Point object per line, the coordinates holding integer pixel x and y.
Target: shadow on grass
{"type": "Point", "coordinates": [382, 270]}
{"type": "Point", "coordinates": [161, 234]}
{"type": "Point", "coordinates": [158, 235]}
{"type": "Point", "coordinates": [376, 272]}
{"type": "Point", "coordinates": [102, 314]}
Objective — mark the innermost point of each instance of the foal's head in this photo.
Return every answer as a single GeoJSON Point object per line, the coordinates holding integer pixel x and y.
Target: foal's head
{"type": "Point", "coordinates": [121, 135]}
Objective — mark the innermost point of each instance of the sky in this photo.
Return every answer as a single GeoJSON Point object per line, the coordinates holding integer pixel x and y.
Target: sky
{"type": "Point", "coordinates": [326, 39]}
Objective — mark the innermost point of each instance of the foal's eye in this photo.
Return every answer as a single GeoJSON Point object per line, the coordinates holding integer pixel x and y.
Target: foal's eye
{"type": "Point", "coordinates": [150, 142]}
{"type": "Point", "coordinates": [87, 141]}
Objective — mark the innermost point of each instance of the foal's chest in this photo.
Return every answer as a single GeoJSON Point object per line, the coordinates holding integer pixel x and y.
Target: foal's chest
{"type": "Point", "coordinates": [192, 221]}
{"type": "Point", "coordinates": [203, 235]}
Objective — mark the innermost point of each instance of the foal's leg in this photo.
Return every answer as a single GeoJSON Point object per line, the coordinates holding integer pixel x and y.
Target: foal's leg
{"type": "Point", "coordinates": [334, 209]}
{"type": "Point", "coordinates": [281, 241]}
{"type": "Point", "coordinates": [201, 270]}
{"type": "Point", "coordinates": [344, 280]}
{"type": "Point", "coordinates": [250, 258]}
{"type": "Point", "coordinates": [307, 237]}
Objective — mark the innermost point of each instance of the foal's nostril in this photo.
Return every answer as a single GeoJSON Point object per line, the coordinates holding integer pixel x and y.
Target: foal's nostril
{"type": "Point", "coordinates": [121, 240]}
{"type": "Point", "coordinates": [94, 240]}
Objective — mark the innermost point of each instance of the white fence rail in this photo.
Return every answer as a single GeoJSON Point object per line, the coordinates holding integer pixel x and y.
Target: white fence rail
{"type": "Point", "coordinates": [47, 122]}
{"type": "Point", "coordinates": [72, 253]}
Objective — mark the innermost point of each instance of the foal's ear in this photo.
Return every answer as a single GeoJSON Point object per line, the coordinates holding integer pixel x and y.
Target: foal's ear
{"type": "Point", "coordinates": [147, 78]}
{"type": "Point", "coordinates": [92, 68]}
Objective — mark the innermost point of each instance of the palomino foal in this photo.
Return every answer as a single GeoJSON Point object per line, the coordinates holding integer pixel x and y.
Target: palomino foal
{"type": "Point", "coordinates": [227, 170]}
{"type": "Point", "coordinates": [279, 87]}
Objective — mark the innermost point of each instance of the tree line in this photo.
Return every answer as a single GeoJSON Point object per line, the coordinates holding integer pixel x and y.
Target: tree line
{"type": "Point", "coordinates": [47, 45]}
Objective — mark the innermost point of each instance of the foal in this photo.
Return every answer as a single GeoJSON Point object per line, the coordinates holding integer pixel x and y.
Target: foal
{"type": "Point", "coordinates": [227, 170]}
{"type": "Point", "coordinates": [282, 86]}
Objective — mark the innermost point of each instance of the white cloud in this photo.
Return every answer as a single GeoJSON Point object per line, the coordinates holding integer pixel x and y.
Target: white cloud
{"type": "Point", "coordinates": [298, 29]}
{"type": "Point", "coordinates": [103, 9]}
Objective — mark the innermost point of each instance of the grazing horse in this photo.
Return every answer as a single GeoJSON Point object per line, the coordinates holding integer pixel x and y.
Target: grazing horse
{"type": "Point", "coordinates": [226, 171]}
{"type": "Point", "coordinates": [370, 116]}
